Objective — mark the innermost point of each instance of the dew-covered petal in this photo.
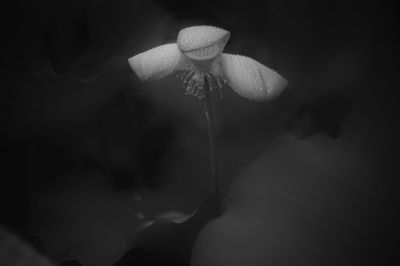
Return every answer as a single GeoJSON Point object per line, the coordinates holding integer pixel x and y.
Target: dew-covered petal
{"type": "Point", "coordinates": [158, 62]}
{"type": "Point", "coordinates": [200, 37]}
{"type": "Point", "coordinates": [205, 53]}
{"type": "Point", "coordinates": [251, 79]}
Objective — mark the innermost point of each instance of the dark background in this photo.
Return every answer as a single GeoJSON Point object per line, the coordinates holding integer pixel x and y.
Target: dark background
{"type": "Point", "coordinates": [81, 134]}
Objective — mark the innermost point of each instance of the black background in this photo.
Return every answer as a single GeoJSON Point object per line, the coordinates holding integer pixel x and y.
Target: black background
{"type": "Point", "coordinates": [57, 134]}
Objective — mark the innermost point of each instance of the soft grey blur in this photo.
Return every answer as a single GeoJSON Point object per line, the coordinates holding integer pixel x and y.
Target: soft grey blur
{"type": "Point", "coordinates": [90, 152]}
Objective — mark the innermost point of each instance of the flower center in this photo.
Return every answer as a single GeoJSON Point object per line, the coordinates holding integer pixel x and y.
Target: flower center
{"type": "Point", "coordinates": [195, 79]}
{"type": "Point", "coordinates": [195, 82]}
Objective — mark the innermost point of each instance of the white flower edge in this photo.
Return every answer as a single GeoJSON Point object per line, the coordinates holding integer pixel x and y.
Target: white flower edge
{"type": "Point", "coordinates": [246, 76]}
{"type": "Point", "coordinates": [251, 79]}
{"type": "Point", "coordinates": [199, 37]}
{"type": "Point", "coordinates": [158, 62]}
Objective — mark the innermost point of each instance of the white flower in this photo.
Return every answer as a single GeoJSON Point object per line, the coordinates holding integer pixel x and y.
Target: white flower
{"type": "Point", "coordinates": [198, 53]}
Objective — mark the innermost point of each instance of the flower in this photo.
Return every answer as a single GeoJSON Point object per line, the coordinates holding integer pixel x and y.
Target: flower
{"type": "Point", "coordinates": [198, 54]}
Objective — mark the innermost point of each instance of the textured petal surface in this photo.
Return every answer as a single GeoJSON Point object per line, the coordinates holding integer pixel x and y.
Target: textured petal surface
{"type": "Point", "coordinates": [250, 78]}
{"type": "Point", "coordinates": [206, 53]}
{"type": "Point", "coordinates": [158, 62]}
{"type": "Point", "coordinates": [198, 37]}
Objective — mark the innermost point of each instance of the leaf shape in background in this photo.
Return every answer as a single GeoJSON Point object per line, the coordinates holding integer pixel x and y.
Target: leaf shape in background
{"type": "Point", "coordinates": [15, 252]}
{"type": "Point", "coordinates": [82, 218]}
{"type": "Point", "coordinates": [168, 240]}
{"type": "Point", "coordinates": [323, 114]}
{"type": "Point", "coordinates": [49, 101]}
{"type": "Point", "coordinates": [312, 202]}
{"type": "Point", "coordinates": [85, 221]}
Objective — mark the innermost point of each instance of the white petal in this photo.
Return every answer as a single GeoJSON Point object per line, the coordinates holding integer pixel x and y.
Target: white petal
{"type": "Point", "coordinates": [202, 42]}
{"type": "Point", "coordinates": [250, 78]}
{"type": "Point", "coordinates": [158, 62]}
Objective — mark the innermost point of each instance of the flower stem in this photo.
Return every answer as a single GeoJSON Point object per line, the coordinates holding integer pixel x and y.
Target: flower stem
{"type": "Point", "coordinates": [209, 111]}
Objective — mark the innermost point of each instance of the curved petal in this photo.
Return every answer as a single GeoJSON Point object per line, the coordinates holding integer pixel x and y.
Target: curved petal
{"type": "Point", "coordinates": [251, 79]}
{"type": "Point", "coordinates": [158, 62]}
{"type": "Point", "coordinates": [198, 37]}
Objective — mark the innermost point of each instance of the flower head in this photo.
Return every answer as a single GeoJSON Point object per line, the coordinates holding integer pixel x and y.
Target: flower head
{"type": "Point", "coordinates": [198, 54]}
